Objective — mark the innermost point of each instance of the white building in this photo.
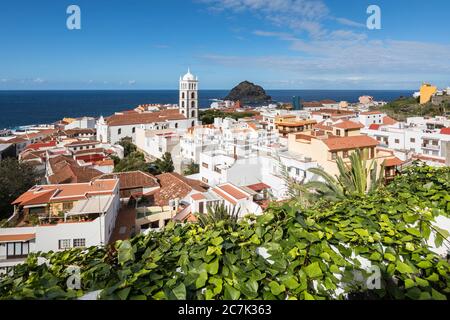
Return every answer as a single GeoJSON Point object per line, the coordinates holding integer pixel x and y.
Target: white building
{"type": "Point", "coordinates": [156, 143]}
{"type": "Point", "coordinates": [234, 198]}
{"type": "Point", "coordinates": [81, 123]}
{"type": "Point", "coordinates": [270, 168]}
{"type": "Point", "coordinates": [418, 136]}
{"type": "Point", "coordinates": [239, 138]}
{"type": "Point", "coordinates": [65, 216]}
{"type": "Point", "coordinates": [125, 124]}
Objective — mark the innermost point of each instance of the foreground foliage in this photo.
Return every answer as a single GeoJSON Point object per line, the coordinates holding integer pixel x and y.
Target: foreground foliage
{"type": "Point", "coordinates": [15, 178]}
{"type": "Point", "coordinates": [288, 253]}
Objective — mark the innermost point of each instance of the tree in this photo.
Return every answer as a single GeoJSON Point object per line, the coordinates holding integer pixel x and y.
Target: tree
{"type": "Point", "coordinates": [192, 168]}
{"type": "Point", "coordinates": [15, 179]}
{"type": "Point", "coordinates": [165, 164]}
{"type": "Point", "coordinates": [355, 178]}
{"type": "Point", "coordinates": [135, 161]}
{"type": "Point", "coordinates": [128, 146]}
{"type": "Point", "coordinates": [219, 213]}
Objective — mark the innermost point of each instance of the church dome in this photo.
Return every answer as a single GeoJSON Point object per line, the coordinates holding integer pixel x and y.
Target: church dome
{"type": "Point", "coordinates": [189, 76]}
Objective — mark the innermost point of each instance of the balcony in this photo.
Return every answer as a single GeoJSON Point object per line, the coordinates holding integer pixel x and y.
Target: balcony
{"type": "Point", "coordinates": [430, 146]}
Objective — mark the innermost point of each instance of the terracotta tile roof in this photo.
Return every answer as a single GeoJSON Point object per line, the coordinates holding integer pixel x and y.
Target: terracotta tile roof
{"type": "Point", "coordinates": [349, 125]}
{"type": "Point", "coordinates": [259, 187]}
{"type": "Point", "coordinates": [28, 155]}
{"type": "Point", "coordinates": [374, 126]}
{"type": "Point", "coordinates": [234, 191]}
{"type": "Point", "coordinates": [334, 112]}
{"type": "Point", "coordinates": [33, 198]}
{"type": "Point", "coordinates": [143, 118]}
{"type": "Point", "coordinates": [322, 126]}
{"type": "Point", "coordinates": [345, 143]}
{"type": "Point", "coordinates": [174, 186]}
{"type": "Point", "coordinates": [393, 162]}
{"type": "Point", "coordinates": [82, 143]}
{"type": "Point", "coordinates": [17, 237]}
{"type": "Point", "coordinates": [133, 179]}
{"type": "Point", "coordinates": [106, 162]}
{"type": "Point", "coordinates": [445, 131]}
{"type": "Point", "coordinates": [198, 197]}
{"type": "Point", "coordinates": [428, 158]}
{"type": "Point", "coordinates": [389, 121]}
{"type": "Point", "coordinates": [369, 113]}
{"type": "Point", "coordinates": [62, 192]}
{"type": "Point", "coordinates": [36, 146]}
{"type": "Point", "coordinates": [96, 150]}
{"type": "Point", "coordinates": [66, 170]}
{"type": "Point", "coordinates": [224, 196]}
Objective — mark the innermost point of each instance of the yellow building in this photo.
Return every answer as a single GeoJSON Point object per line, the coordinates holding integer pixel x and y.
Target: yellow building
{"type": "Point", "coordinates": [325, 146]}
{"type": "Point", "coordinates": [426, 93]}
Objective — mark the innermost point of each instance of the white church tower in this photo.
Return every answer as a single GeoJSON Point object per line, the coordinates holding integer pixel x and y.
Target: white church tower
{"type": "Point", "coordinates": [189, 96]}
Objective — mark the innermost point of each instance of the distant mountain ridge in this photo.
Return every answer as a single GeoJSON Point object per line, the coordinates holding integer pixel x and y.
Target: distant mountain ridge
{"type": "Point", "coordinates": [248, 92]}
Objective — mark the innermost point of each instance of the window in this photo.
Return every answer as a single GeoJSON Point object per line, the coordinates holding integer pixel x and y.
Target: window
{"type": "Point", "coordinates": [193, 95]}
{"type": "Point", "coordinates": [182, 95]}
{"type": "Point", "coordinates": [205, 180]}
{"type": "Point", "coordinates": [133, 130]}
{"type": "Point", "coordinates": [334, 155]}
{"type": "Point", "coordinates": [176, 125]}
{"type": "Point", "coordinates": [193, 114]}
{"type": "Point", "coordinates": [17, 249]}
{"type": "Point", "coordinates": [79, 243]}
{"type": "Point", "coordinates": [412, 140]}
{"type": "Point", "coordinates": [64, 244]}
{"type": "Point", "coordinates": [338, 132]}
{"type": "Point", "coordinates": [397, 141]}
{"type": "Point", "coordinates": [193, 104]}
{"type": "Point", "coordinates": [119, 132]}
{"type": "Point", "coordinates": [345, 155]}
{"type": "Point", "coordinates": [205, 165]}
{"type": "Point", "coordinates": [435, 143]}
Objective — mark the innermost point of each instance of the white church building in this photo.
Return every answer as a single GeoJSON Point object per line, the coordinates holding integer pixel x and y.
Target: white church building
{"type": "Point", "coordinates": [124, 124]}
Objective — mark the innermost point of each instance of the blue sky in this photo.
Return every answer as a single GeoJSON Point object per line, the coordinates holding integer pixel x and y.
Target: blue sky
{"type": "Point", "coordinates": [280, 44]}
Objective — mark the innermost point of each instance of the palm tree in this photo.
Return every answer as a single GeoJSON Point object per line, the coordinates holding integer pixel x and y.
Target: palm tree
{"type": "Point", "coordinates": [218, 213]}
{"type": "Point", "coordinates": [355, 178]}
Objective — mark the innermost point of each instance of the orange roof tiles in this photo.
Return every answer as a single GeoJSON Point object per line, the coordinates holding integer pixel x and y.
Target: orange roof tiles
{"type": "Point", "coordinates": [224, 196]}
{"type": "Point", "coordinates": [198, 197]}
{"type": "Point", "coordinates": [368, 113]}
{"type": "Point", "coordinates": [346, 143]}
{"type": "Point", "coordinates": [133, 179]}
{"type": "Point", "coordinates": [349, 125]}
{"type": "Point", "coordinates": [233, 191]}
{"type": "Point", "coordinates": [62, 192]}
{"type": "Point", "coordinates": [17, 237]}
{"type": "Point", "coordinates": [393, 162]}
{"type": "Point", "coordinates": [445, 131]}
{"type": "Point", "coordinates": [389, 121]}
{"type": "Point", "coordinates": [146, 117]}
{"type": "Point", "coordinates": [259, 187]}
{"type": "Point", "coordinates": [173, 186]}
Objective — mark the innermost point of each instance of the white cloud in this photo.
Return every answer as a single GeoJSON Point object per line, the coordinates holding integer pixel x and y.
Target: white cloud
{"type": "Point", "coordinates": [299, 15]}
{"type": "Point", "coordinates": [350, 23]}
{"type": "Point", "coordinates": [38, 80]}
{"type": "Point", "coordinates": [132, 82]}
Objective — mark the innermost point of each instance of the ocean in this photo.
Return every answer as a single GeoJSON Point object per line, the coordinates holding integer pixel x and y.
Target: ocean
{"type": "Point", "coordinates": [21, 108]}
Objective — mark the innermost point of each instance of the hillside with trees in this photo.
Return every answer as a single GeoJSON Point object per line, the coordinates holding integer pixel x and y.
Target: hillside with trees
{"type": "Point", "coordinates": [403, 108]}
